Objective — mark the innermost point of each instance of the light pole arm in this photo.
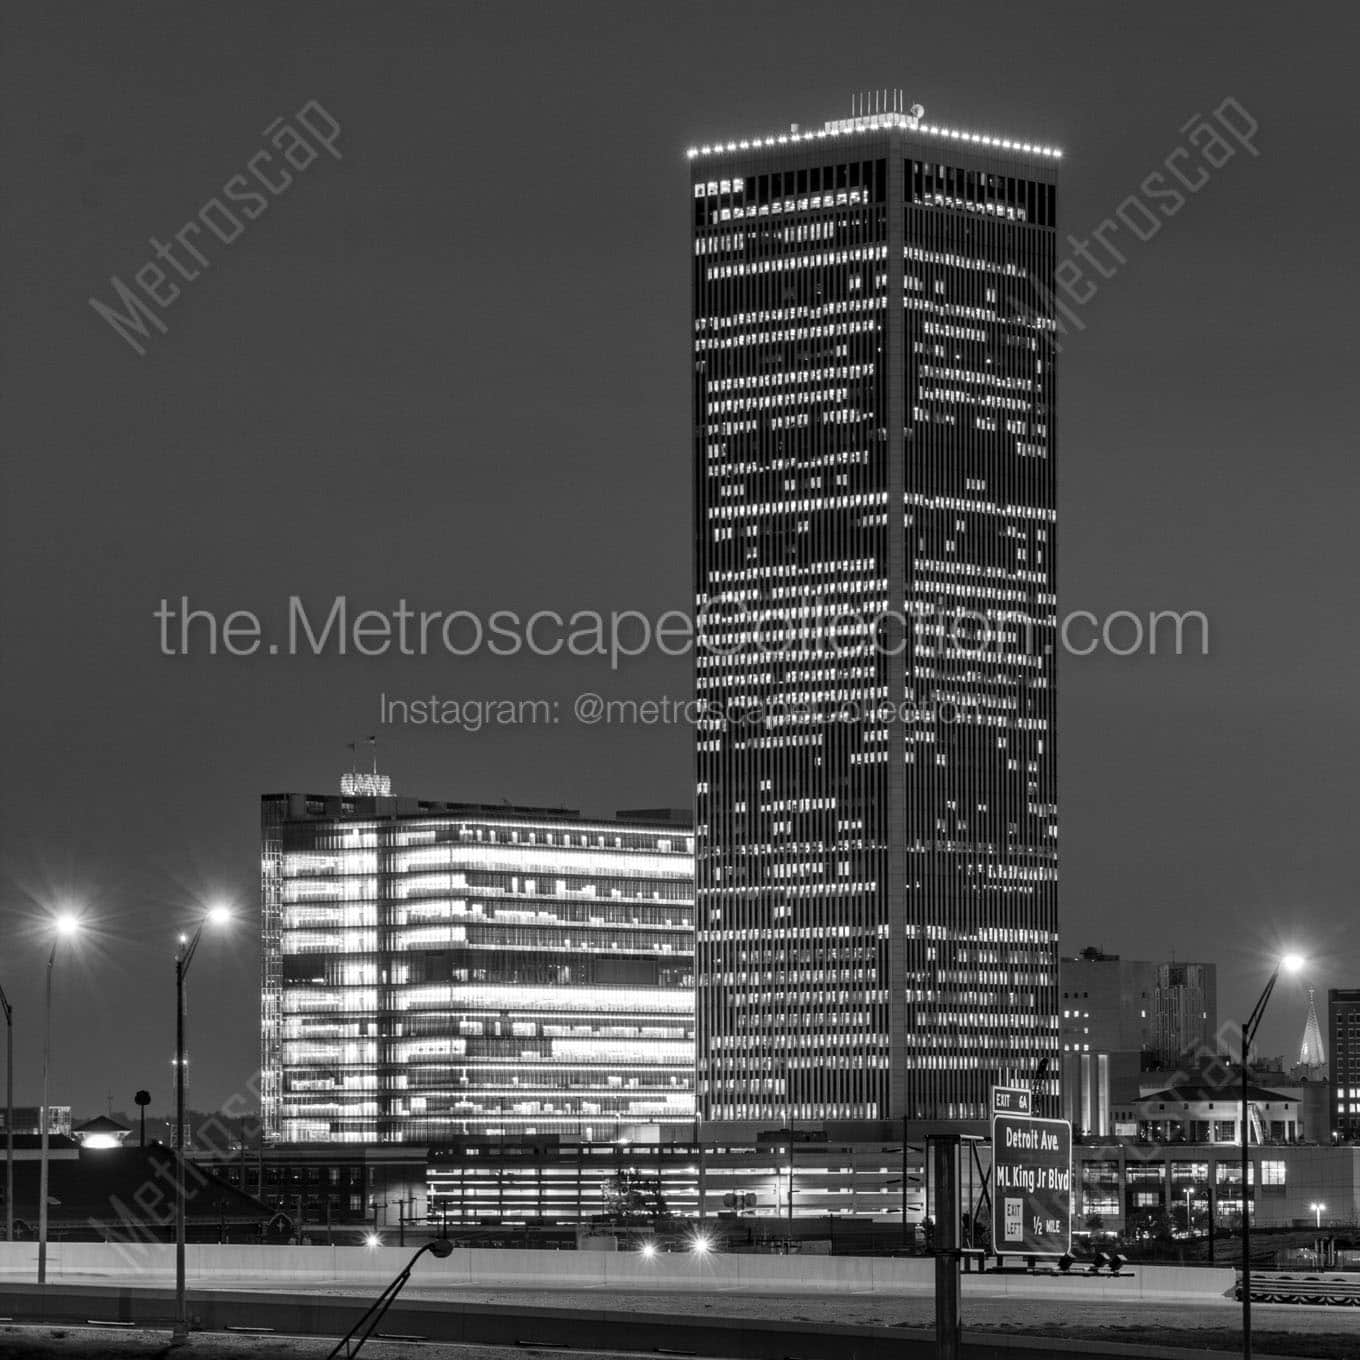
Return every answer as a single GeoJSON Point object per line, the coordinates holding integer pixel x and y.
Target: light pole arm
{"type": "Point", "coordinates": [352, 1342]}
{"type": "Point", "coordinates": [1255, 1018]}
{"type": "Point", "coordinates": [186, 951]}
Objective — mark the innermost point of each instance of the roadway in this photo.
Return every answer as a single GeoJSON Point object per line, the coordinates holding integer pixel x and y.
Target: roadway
{"type": "Point", "coordinates": [1058, 1308]}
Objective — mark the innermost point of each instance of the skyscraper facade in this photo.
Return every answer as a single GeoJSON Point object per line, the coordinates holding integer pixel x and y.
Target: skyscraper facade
{"type": "Point", "coordinates": [874, 354]}
{"type": "Point", "coordinates": [434, 970]}
{"type": "Point", "coordinates": [1343, 1028]}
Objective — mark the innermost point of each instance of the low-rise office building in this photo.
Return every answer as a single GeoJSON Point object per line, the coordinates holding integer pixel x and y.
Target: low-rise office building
{"type": "Point", "coordinates": [441, 970]}
{"type": "Point", "coordinates": [28, 1119]}
{"type": "Point", "coordinates": [1201, 1111]}
{"type": "Point", "coordinates": [1118, 1180]}
{"type": "Point", "coordinates": [846, 1174]}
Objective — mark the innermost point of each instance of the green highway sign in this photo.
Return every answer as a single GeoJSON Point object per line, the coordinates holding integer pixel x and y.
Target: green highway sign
{"type": "Point", "coordinates": [1031, 1186]}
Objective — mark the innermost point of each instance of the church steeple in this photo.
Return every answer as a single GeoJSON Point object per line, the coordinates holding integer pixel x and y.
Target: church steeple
{"type": "Point", "coordinates": [1311, 1051]}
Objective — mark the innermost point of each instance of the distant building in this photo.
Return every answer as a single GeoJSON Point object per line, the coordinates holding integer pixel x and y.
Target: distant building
{"type": "Point", "coordinates": [846, 1170]}
{"type": "Point", "coordinates": [1119, 1017]}
{"type": "Point", "coordinates": [100, 1132]}
{"type": "Point", "coordinates": [433, 970]}
{"type": "Point", "coordinates": [1164, 1012]}
{"type": "Point", "coordinates": [124, 1194]}
{"type": "Point", "coordinates": [1199, 1111]}
{"type": "Point", "coordinates": [28, 1119]}
{"type": "Point", "coordinates": [1343, 1025]}
{"type": "Point", "coordinates": [1089, 1082]}
{"type": "Point", "coordinates": [1119, 1180]}
{"type": "Point", "coordinates": [841, 1172]}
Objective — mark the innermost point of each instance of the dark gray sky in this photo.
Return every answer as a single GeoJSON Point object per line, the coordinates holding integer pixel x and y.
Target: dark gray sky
{"type": "Point", "coordinates": [452, 366]}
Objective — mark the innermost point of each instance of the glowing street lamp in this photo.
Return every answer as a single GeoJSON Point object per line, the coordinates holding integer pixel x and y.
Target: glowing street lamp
{"type": "Point", "coordinates": [218, 916]}
{"type": "Point", "coordinates": [63, 927]}
{"type": "Point", "coordinates": [1289, 963]}
{"type": "Point", "coordinates": [1319, 1210]}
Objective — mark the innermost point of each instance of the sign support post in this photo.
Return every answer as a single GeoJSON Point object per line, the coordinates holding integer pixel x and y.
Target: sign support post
{"type": "Point", "coordinates": [944, 1154]}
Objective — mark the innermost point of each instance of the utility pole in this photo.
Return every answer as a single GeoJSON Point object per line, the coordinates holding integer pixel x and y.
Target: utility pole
{"type": "Point", "coordinates": [9, 1116]}
{"type": "Point", "coordinates": [1246, 1176]}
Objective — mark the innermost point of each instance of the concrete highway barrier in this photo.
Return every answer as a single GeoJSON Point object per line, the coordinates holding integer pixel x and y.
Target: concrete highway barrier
{"type": "Point", "coordinates": [211, 1266]}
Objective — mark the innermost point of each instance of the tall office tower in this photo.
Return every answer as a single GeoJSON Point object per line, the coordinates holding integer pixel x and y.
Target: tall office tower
{"type": "Point", "coordinates": [1185, 1001]}
{"type": "Point", "coordinates": [1343, 1025]}
{"type": "Point", "coordinates": [440, 969]}
{"type": "Point", "coordinates": [875, 503]}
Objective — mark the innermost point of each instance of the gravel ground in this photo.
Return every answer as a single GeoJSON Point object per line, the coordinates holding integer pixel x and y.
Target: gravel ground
{"type": "Point", "coordinates": [996, 1313]}
{"type": "Point", "coordinates": [1279, 1329]}
{"type": "Point", "coordinates": [66, 1343]}
{"type": "Point", "coordinates": [1321, 1333]}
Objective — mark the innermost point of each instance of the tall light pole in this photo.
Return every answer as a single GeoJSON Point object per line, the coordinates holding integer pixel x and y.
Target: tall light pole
{"type": "Point", "coordinates": [1319, 1210]}
{"type": "Point", "coordinates": [184, 956]}
{"type": "Point", "coordinates": [1189, 1210]}
{"type": "Point", "coordinates": [9, 1116]}
{"type": "Point", "coordinates": [64, 925]}
{"type": "Point", "coordinates": [1291, 963]}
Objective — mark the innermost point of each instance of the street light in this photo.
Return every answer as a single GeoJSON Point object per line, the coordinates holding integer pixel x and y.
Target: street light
{"type": "Point", "coordinates": [184, 956]}
{"type": "Point", "coordinates": [9, 1116]}
{"type": "Point", "coordinates": [1290, 963]}
{"type": "Point", "coordinates": [1319, 1210]}
{"type": "Point", "coordinates": [353, 1340]}
{"type": "Point", "coordinates": [63, 926]}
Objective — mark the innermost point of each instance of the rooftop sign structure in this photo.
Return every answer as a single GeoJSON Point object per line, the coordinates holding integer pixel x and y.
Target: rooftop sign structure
{"type": "Point", "coordinates": [872, 113]}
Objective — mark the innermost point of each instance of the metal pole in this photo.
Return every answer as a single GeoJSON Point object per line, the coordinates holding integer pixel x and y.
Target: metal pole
{"type": "Point", "coordinates": [181, 1328]}
{"type": "Point", "coordinates": [947, 1212]}
{"type": "Point", "coordinates": [42, 1122]}
{"type": "Point", "coordinates": [1246, 1208]}
{"type": "Point", "coordinates": [9, 1116]}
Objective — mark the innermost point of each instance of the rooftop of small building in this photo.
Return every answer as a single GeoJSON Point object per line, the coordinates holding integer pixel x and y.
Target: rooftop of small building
{"type": "Point", "coordinates": [1229, 1091]}
{"type": "Point", "coordinates": [360, 807]}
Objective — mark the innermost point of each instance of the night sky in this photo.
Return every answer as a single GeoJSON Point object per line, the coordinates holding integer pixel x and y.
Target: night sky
{"type": "Point", "coordinates": [452, 366]}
